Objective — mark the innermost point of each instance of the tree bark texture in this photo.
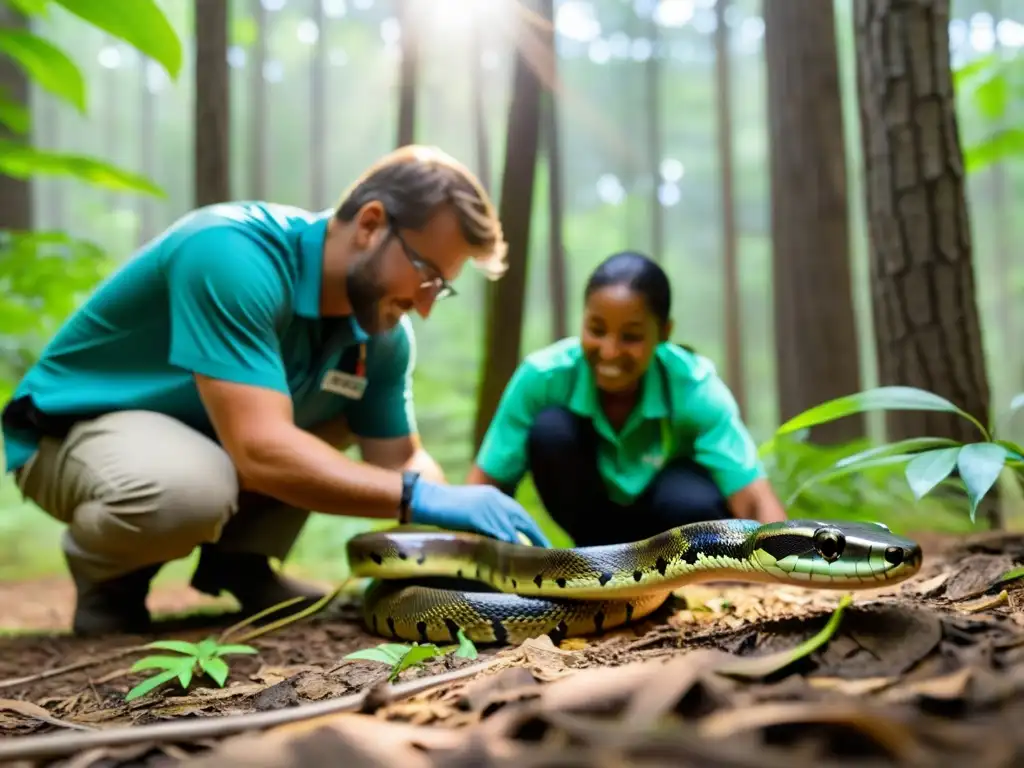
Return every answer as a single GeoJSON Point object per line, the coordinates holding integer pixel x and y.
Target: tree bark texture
{"type": "Point", "coordinates": [212, 180]}
{"type": "Point", "coordinates": [815, 323]}
{"type": "Point", "coordinates": [504, 314]}
{"type": "Point", "coordinates": [732, 305]}
{"type": "Point", "coordinates": [558, 268]}
{"type": "Point", "coordinates": [923, 286]}
{"type": "Point", "coordinates": [15, 194]}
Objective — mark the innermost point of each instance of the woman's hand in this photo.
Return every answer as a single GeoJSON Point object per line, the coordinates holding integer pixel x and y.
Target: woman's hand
{"type": "Point", "coordinates": [758, 502]}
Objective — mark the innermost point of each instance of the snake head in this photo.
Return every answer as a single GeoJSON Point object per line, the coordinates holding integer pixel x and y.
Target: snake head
{"type": "Point", "coordinates": [835, 554]}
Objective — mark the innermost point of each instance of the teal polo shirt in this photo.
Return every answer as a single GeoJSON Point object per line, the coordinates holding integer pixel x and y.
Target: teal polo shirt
{"type": "Point", "coordinates": [685, 409]}
{"type": "Point", "coordinates": [230, 291]}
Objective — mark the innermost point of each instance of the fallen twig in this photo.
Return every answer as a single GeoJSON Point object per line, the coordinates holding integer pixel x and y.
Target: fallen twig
{"type": "Point", "coordinates": [51, 746]}
{"type": "Point", "coordinates": [14, 682]}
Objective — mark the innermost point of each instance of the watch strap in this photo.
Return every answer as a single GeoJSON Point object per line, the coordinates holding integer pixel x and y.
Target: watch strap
{"type": "Point", "coordinates": [409, 478]}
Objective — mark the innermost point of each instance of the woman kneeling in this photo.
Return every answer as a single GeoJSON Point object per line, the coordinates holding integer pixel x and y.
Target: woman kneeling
{"type": "Point", "coordinates": [625, 433]}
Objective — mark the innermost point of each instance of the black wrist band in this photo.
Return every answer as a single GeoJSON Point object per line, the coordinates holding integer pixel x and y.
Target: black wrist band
{"type": "Point", "coordinates": [409, 479]}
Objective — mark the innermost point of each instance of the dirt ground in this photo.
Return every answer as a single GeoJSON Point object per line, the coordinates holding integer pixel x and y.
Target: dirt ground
{"type": "Point", "coordinates": [927, 673]}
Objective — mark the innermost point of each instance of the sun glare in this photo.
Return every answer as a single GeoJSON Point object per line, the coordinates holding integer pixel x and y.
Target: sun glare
{"type": "Point", "coordinates": [461, 16]}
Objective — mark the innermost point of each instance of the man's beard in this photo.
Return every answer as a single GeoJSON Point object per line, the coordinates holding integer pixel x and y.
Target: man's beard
{"type": "Point", "coordinates": [365, 293]}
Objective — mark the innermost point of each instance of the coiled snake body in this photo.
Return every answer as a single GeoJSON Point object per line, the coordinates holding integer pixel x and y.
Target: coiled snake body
{"type": "Point", "coordinates": [420, 590]}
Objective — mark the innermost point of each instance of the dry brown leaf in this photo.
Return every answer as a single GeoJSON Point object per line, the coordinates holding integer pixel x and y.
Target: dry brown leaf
{"type": "Point", "coordinates": [667, 683]}
{"type": "Point", "coordinates": [34, 711]}
{"type": "Point", "coordinates": [856, 687]}
{"type": "Point", "coordinates": [893, 736]}
{"type": "Point", "coordinates": [273, 675]}
{"type": "Point", "coordinates": [951, 686]}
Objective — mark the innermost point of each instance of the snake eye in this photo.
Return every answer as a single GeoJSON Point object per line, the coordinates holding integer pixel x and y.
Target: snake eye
{"type": "Point", "coordinates": [829, 543]}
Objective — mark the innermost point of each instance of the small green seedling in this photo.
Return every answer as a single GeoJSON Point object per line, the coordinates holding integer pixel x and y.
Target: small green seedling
{"type": "Point", "coordinates": [400, 657]}
{"type": "Point", "coordinates": [205, 655]}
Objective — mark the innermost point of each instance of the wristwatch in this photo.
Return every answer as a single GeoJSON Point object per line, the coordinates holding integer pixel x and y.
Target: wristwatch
{"type": "Point", "coordinates": [409, 478]}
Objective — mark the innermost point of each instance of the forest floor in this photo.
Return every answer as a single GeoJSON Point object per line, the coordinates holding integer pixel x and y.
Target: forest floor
{"type": "Point", "coordinates": [930, 672]}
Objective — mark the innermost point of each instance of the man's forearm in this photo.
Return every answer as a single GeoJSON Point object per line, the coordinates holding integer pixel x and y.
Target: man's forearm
{"type": "Point", "coordinates": [302, 470]}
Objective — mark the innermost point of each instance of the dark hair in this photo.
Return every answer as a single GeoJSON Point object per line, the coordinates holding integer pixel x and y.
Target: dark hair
{"type": "Point", "coordinates": [639, 273]}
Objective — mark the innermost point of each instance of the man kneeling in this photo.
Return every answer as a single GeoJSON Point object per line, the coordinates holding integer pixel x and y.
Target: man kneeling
{"type": "Point", "coordinates": [201, 395]}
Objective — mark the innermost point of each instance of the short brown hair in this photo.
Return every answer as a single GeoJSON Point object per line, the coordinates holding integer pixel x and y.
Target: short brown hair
{"type": "Point", "coordinates": [413, 181]}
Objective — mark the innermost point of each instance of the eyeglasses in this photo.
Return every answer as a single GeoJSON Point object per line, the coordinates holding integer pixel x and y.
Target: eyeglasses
{"type": "Point", "coordinates": [433, 280]}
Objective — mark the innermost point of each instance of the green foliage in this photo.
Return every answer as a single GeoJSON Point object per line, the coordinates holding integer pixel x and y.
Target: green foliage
{"type": "Point", "coordinates": [928, 461]}
{"type": "Point", "coordinates": [205, 657]}
{"type": "Point", "coordinates": [42, 275]}
{"type": "Point", "coordinates": [993, 84]}
{"type": "Point", "coordinates": [400, 657]}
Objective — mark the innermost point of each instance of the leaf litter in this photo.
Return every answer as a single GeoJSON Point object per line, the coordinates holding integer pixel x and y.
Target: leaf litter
{"type": "Point", "coordinates": [930, 672]}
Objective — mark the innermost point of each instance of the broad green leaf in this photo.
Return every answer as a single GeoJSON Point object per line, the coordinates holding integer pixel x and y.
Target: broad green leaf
{"type": "Point", "coordinates": [46, 64]}
{"type": "Point", "coordinates": [979, 465]}
{"type": "Point", "coordinates": [415, 655]}
{"type": "Point", "coordinates": [216, 669]}
{"type": "Point", "coordinates": [997, 146]}
{"type": "Point", "coordinates": [29, 7]}
{"type": "Point", "coordinates": [835, 472]}
{"type": "Point", "coordinates": [386, 653]}
{"type": "Point", "coordinates": [974, 67]}
{"type": "Point", "coordinates": [181, 646]}
{"type": "Point", "coordinates": [466, 649]}
{"type": "Point", "coordinates": [206, 647]}
{"type": "Point", "coordinates": [15, 116]}
{"type": "Point", "coordinates": [763, 666]}
{"type": "Point", "coordinates": [224, 650]}
{"type": "Point", "coordinates": [877, 399]}
{"type": "Point", "coordinates": [910, 445]}
{"type": "Point", "coordinates": [149, 684]}
{"type": "Point", "coordinates": [140, 23]}
{"type": "Point", "coordinates": [162, 662]}
{"type": "Point", "coordinates": [1014, 450]}
{"type": "Point", "coordinates": [927, 470]}
{"type": "Point", "coordinates": [185, 675]}
{"type": "Point", "coordinates": [992, 96]}
{"type": "Point", "coordinates": [22, 162]}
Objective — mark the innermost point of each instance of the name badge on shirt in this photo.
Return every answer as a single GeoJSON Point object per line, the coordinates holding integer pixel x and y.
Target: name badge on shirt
{"type": "Point", "coordinates": [347, 385]}
{"type": "Point", "coordinates": [344, 384]}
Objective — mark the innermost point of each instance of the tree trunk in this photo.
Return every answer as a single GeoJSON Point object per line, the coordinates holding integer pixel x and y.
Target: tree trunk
{"type": "Point", "coordinates": [319, 161]}
{"type": "Point", "coordinates": [732, 305]}
{"type": "Point", "coordinates": [652, 86]}
{"type": "Point", "coordinates": [408, 74]}
{"type": "Point", "coordinates": [815, 324]}
{"type": "Point", "coordinates": [557, 263]}
{"type": "Point", "coordinates": [257, 139]}
{"type": "Point", "coordinates": [504, 316]}
{"type": "Point", "coordinates": [212, 103]}
{"type": "Point", "coordinates": [923, 288]}
{"type": "Point", "coordinates": [15, 194]}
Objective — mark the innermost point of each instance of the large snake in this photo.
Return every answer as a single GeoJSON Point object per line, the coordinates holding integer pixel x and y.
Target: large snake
{"type": "Point", "coordinates": [419, 590]}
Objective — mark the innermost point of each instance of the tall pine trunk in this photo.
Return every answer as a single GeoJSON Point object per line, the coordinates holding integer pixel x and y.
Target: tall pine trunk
{"type": "Point", "coordinates": [923, 286]}
{"type": "Point", "coordinates": [815, 323]}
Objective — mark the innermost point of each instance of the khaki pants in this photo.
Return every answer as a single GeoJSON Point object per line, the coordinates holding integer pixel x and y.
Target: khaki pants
{"type": "Point", "coordinates": [137, 488]}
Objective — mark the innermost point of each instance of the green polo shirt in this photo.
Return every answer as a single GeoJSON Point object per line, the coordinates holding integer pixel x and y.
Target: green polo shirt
{"type": "Point", "coordinates": [230, 291]}
{"type": "Point", "coordinates": [688, 411]}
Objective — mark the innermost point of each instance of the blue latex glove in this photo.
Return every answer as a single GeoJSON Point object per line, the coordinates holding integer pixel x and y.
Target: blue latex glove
{"type": "Point", "coordinates": [474, 508]}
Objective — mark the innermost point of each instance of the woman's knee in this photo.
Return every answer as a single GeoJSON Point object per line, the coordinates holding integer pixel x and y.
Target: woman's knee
{"type": "Point", "coordinates": [687, 492]}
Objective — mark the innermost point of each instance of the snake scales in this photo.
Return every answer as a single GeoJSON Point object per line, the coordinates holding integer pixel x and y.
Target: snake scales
{"type": "Point", "coordinates": [423, 590]}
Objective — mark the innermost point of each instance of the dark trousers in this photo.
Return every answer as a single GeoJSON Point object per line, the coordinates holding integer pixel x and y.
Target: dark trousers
{"type": "Point", "coordinates": [563, 462]}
